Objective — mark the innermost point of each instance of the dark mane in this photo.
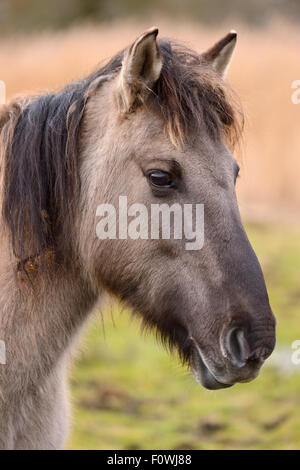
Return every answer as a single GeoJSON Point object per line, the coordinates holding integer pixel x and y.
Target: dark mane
{"type": "Point", "coordinates": [39, 146]}
{"type": "Point", "coordinates": [192, 96]}
{"type": "Point", "coordinates": [40, 138]}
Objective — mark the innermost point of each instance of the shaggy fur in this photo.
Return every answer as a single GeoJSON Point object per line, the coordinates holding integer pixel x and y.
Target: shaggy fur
{"type": "Point", "coordinates": [63, 154]}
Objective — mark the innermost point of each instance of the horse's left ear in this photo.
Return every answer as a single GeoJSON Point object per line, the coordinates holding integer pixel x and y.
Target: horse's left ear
{"type": "Point", "coordinates": [140, 70]}
{"type": "Point", "coordinates": [219, 56]}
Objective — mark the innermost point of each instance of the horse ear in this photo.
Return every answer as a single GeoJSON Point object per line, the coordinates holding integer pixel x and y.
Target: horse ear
{"type": "Point", "coordinates": [140, 70]}
{"type": "Point", "coordinates": [219, 56]}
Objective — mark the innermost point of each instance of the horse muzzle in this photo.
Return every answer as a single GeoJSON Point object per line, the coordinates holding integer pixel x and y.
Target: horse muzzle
{"type": "Point", "coordinates": [242, 356]}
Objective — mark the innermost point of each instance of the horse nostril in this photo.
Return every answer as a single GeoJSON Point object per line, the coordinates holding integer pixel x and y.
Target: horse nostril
{"type": "Point", "coordinates": [237, 347]}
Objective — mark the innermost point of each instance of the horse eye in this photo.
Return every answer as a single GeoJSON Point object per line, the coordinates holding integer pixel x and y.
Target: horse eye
{"type": "Point", "coordinates": [160, 179]}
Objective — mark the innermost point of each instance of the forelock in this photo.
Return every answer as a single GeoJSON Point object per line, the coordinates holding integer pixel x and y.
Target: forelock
{"type": "Point", "coordinates": [193, 98]}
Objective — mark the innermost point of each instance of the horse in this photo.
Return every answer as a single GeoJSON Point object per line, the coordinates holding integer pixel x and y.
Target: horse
{"type": "Point", "coordinates": [158, 122]}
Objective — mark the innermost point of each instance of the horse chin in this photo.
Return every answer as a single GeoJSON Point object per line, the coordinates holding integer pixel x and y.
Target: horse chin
{"type": "Point", "coordinates": [202, 373]}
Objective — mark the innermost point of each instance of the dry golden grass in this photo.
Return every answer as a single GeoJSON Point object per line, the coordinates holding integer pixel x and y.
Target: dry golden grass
{"type": "Point", "coordinates": [264, 66]}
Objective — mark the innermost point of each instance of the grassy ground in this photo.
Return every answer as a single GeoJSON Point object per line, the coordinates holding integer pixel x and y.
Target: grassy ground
{"type": "Point", "coordinates": [129, 393]}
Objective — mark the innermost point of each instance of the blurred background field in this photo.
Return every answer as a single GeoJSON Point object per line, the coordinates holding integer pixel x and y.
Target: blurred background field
{"type": "Point", "coordinates": [127, 392]}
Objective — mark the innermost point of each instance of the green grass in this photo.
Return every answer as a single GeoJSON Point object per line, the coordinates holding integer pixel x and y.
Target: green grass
{"type": "Point", "coordinates": [128, 393]}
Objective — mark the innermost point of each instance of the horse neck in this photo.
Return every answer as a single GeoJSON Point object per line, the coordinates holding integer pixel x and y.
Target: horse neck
{"type": "Point", "coordinates": [38, 322]}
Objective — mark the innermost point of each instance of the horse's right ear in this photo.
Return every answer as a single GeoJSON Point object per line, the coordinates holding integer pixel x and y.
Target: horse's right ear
{"type": "Point", "coordinates": [140, 70]}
